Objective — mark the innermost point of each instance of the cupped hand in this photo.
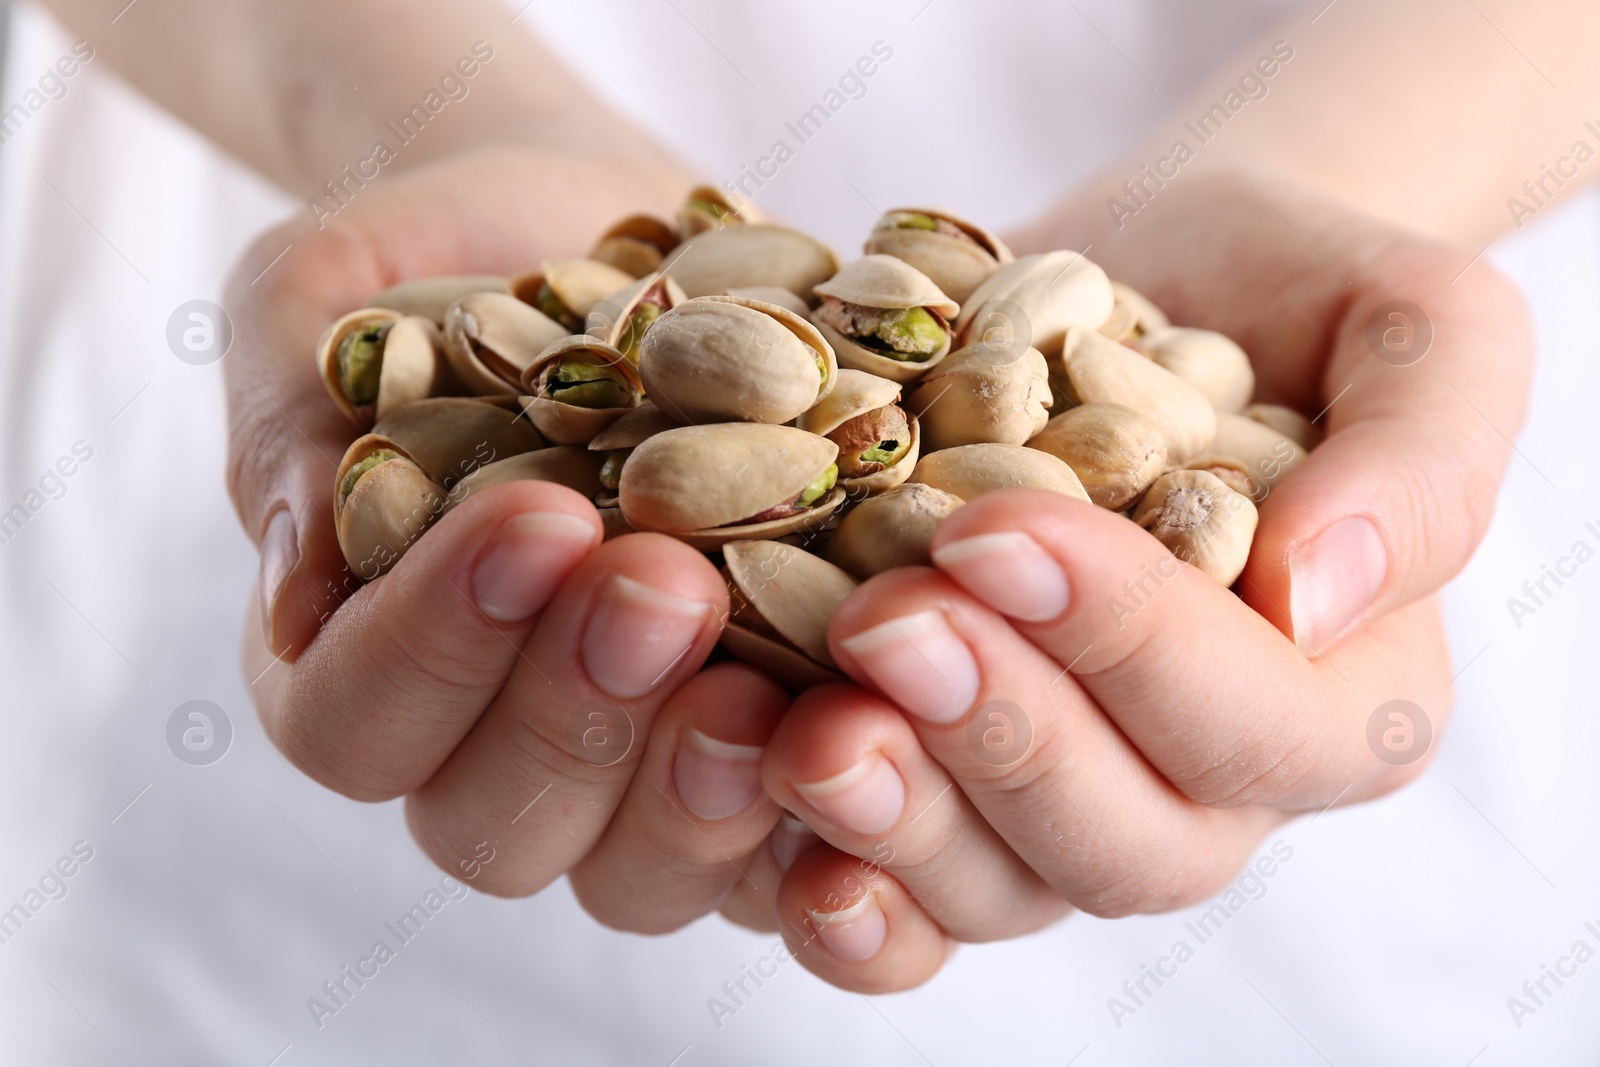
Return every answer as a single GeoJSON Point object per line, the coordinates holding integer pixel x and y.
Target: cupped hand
{"type": "Point", "coordinates": [1060, 715]}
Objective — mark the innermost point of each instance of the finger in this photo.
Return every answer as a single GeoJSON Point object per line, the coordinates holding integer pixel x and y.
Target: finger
{"type": "Point", "coordinates": [695, 813]}
{"type": "Point", "coordinates": [753, 902]}
{"type": "Point", "coordinates": [401, 672]}
{"type": "Point", "coordinates": [852, 924]}
{"type": "Point", "coordinates": [851, 764]}
{"type": "Point", "coordinates": [542, 772]}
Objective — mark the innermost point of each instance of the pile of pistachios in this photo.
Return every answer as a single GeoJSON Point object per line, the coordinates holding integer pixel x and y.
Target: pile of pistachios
{"type": "Point", "coordinates": [725, 380]}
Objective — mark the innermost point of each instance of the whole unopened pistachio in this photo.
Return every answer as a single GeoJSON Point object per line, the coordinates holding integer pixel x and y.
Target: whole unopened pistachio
{"type": "Point", "coordinates": [983, 393]}
{"type": "Point", "coordinates": [1035, 300]}
{"type": "Point", "coordinates": [491, 338]}
{"type": "Point", "coordinates": [1270, 456]}
{"type": "Point", "coordinates": [1133, 315]}
{"type": "Point", "coordinates": [1201, 521]}
{"type": "Point", "coordinates": [893, 529]}
{"type": "Point", "coordinates": [781, 601]}
{"type": "Point", "coordinates": [383, 502]}
{"type": "Point", "coordinates": [754, 254]}
{"type": "Point", "coordinates": [956, 254]}
{"type": "Point", "coordinates": [375, 360]}
{"type": "Point", "coordinates": [566, 290]}
{"type": "Point", "coordinates": [450, 437]}
{"type": "Point", "coordinates": [432, 297]}
{"type": "Point", "coordinates": [1207, 360]}
{"type": "Point", "coordinates": [1115, 451]}
{"type": "Point", "coordinates": [969, 471]}
{"type": "Point", "coordinates": [883, 316]}
{"type": "Point", "coordinates": [636, 245]}
{"type": "Point", "coordinates": [1287, 421]}
{"type": "Point", "coordinates": [878, 443]}
{"type": "Point", "coordinates": [1095, 369]}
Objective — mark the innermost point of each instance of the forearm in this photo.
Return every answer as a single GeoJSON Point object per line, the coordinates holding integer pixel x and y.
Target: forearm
{"type": "Point", "coordinates": [299, 89]}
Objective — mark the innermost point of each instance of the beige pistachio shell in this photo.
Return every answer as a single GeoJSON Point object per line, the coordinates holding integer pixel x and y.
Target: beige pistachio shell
{"type": "Point", "coordinates": [787, 666]}
{"type": "Point", "coordinates": [702, 477]}
{"type": "Point", "coordinates": [636, 245]}
{"type": "Point", "coordinates": [432, 297]}
{"type": "Point", "coordinates": [1035, 300]}
{"type": "Point", "coordinates": [969, 471]}
{"type": "Point", "coordinates": [490, 338]}
{"type": "Point", "coordinates": [386, 510]}
{"type": "Point", "coordinates": [569, 424]}
{"type": "Point", "coordinates": [1095, 369]}
{"type": "Point", "coordinates": [854, 393]}
{"type": "Point", "coordinates": [1201, 521]}
{"type": "Point", "coordinates": [450, 437]}
{"type": "Point", "coordinates": [1207, 360]}
{"type": "Point", "coordinates": [1233, 473]}
{"type": "Point", "coordinates": [1269, 455]}
{"type": "Point", "coordinates": [957, 262]}
{"type": "Point", "coordinates": [879, 281]}
{"type": "Point", "coordinates": [772, 294]}
{"type": "Point", "coordinates": [634, 427]}
{"type": "Point", "coordinates": [612, 524]}
{"type": "Point", "coordinates": [805, 528]}
{"type": "Point", "coordinates": [1115, 451]}
{"type": "Point", "coordinates": [413, 365]}
{"type": "Point", "coordinates": [1287, 421]}
{"type": "Point", "coordinates": [730, 209]}
{"type": "Point", "coordinates": [579, 284]}
{"type": "Point", "coordinates": [725, 359]}
{"type": "Point", "coordinates": [576, 468]}
{"type": "Point", "coordinates": [1133, 315]}
{"type": "Point", "coordinates": [792, 591]}
{"type": "Point", "coordinates": [894, 529]}
{"type": "Point", "coordinates": [610, 318]}
{"type": "Point", "coordinates": [983, 393]}
{"type": "Point", "coordinates": [759, 254]}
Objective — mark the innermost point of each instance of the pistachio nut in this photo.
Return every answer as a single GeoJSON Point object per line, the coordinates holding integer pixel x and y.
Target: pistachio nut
{"type": "Point", "coordinates": [1269, 455]}
{"type": "Point", "coordinates": [878, 442]}
{"type": "Point", "coordinates": [1133, 316]}
{"type": "Point", "coordinates": [956, 254]}
{"type": "Point", "coordinates": [450, 437]}
{"type": "Point", "coordinates": [893, 529]}
{"type": "Point", "coordinates": [1287, 421]}
{"type": "Point", "coordinates": [566, 290]}
{"type": "Point", "coordinates": [432, 297]}
{"type": "Point", "coordinates": [757, 254]}
{"type": "Point", "coordinates": [1035, 300]}
{"type": "Point", "coordinates": [1095, 369]}
{"type": "Point", "coordinates": [883, 316]}
{"type": "Point", "coordinates": [772, 294]}
{"type": "Point", "coordinates": [383, 502]}
{"type": "Point", "coordinates": [491, 338]}
{"type": "Point", "coordinates": [710, 208]}
{"type": "Point", "coordinates": [726, 359]}
{"type": "Point", "coordinates": [983, 393]}
{"type": "Point", "coordinates": [1201, 521]}
{"type": "Point", "coordinates": [781, 600]}
{"type": "Point", "coordinates": [612, 524]}
{"type": "Point", "coordinates": [636, 245]}
{"type": "Point", "coordinates": [633, 427]}
{"type": "Point", "coordinates": [576, 468]}
{"type": "Point", "coordinates": [1207, 360]}
{"type": "Point", "coordinates": [1233, 473]}
{"type": "Point", "coordinates": [376, 359]}
{"type": "Point", "coordinates": [1115, 451]}
{"type": "Point", "coordinates": [708, 485]}
{"type": "Point", "coordinates": [969, 471]}
{"type": "Point", "coordinates": [577, 387]}
{"type": "Point", "coordinates": [622, 319]}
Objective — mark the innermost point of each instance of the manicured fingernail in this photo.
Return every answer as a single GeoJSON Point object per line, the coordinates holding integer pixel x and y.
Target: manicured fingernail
{"type": "Point", "coordinates": [854, 934]}
{"type": "Point", "coordinates": [1009, 572]}
{"type": "Point", "coordinates": [1333, 580]}
{"type": "Point", "coordinates": [637, 634]}
{"type": "Point", "coordinates": [280, 553]}
{"type": "Point", "coordinates": [866, 799]}
{"type": "Point", "coordinates": [716, 779]}
{"type": "Point", "coordinates": [526, 559]}
{"type": "Point", "coordinates": [790, 838]}
{"type": "Point", "coordinates": [920, 664]}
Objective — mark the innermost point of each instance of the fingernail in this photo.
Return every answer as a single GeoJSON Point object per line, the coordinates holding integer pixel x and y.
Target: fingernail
{"type": "Point", "coordinates": [1333, 580]}
{"type": "Point", "coordinates": [790, 838]}
{"type": "Point", "coordinates": [920, 664]}
{"type": "Point", "coordinates": [1009, 572]}
{"type": "Point", "coordinates": [280, 553]}
{"type": "Point", "coordinates": [866, 799]}
{"type": "Point", "coordinates": [854, 934]}
{"type": "Point", "coordinates": [637, 634]}
{"type": "Point", "coordinates": [526, 559]}
{"type": "Point", "coordinates": [716, 779]}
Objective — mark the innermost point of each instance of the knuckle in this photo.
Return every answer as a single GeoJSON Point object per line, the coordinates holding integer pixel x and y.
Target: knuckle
{"type": "Point", "coordinates": [1262, 772]}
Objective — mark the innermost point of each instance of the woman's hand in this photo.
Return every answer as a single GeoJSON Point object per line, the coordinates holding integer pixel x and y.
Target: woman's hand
{"type": "Point", "coordinates": [1153, 727]}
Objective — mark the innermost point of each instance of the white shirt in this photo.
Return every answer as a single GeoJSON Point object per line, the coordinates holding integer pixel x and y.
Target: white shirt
{"type": "Point", "coordinates": [215, 901]}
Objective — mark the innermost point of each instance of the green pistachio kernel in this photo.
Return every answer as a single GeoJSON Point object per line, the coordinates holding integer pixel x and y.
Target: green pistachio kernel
{"type": "Point", "coordinates": [361, 361]}
{"type": "Point", "coordinates": [587, 385]}
{"type": "Point", "coordinates": [819, 488]}
{"type": "Point", "coordinates": [611, 469]}
{"type": "Point", "coordinates": [712, 208]}
{"type": "Point", "coordinates": [633, 335]}
{"type": "Point", "coordinates": [911, 335]}
{"type": "Point", "coordinates": [916, 222]}
{"type": "Point", "coordinates": [359, 471]}
{"type": "Point", "coordinates": [548, 302]}
{"type": "Point", "coordinates": [886, 452]}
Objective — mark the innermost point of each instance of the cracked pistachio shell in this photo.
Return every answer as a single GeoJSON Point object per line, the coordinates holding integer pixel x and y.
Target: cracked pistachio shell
{"type": "Point", "coordinates": [1201, 521]}
{"type": "Point", "coordinates": [958, 262]}
{"type": "Point", "coordinates": [636, 245]}
{"type": "Point", "coordinates": [1115, 451]}
{"type": "Point", "coordinates": [879, 281]}
{"type": "Point", "coordinates": [1269, 455]}
{"type": "Point", "coordinates": [856, 394]}
{"type": "Point", "coordinates": [569, 424]}
{"type": "Point", "coordinates": [893, 529]}
{"type": "Point", "coordinates": [758, 254]}
{"type": "Point", "coordinates": [1132, 315]}
{"type": "Point", "coordinates": [413, 366]}
{"type": "Point", "coordinates": [576, 468]}
{"type": "Point", "coordinates": [707, 207]}
{"type": "Point", "coordinates": [1287, 421]}
{"type": "Point", "coordinates": [1037, 299]}
{"type": "Point", "coordinates": [635, 426]}
{"type": "Point", "coordinates": [969, 471]}
{"type": "Point", "coordinates": [1207, 360]}
{"type": "Point", "coordinates": [695, 481]}
{"type": "Point", "coordinates": [490, 338]}
{"type": "Point", "coordinates": [609, 320]}
{"type": "Point", "coordinates": [432, 297]}
{"type": "Point", "coordinates": [985, 393]}
{"type": "Point", "coordinates": [450, 437]}
{"type": "Point", "coordinates": [772, 294]}
{"type": "Point", "coordinates": [722, 359]}
{"type": "Point", "coordinates": [1093, 369]}
{"type": "Point", "coordinates": [782, 600]}
{"type": "Point", "coordinates": [386, 510]}
{"type": "Point", "coordinates": [579, 284]}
